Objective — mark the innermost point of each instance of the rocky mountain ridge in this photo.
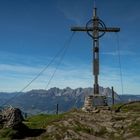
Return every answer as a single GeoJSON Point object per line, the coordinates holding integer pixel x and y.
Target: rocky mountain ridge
{"type": "Point", "coordinates": [36, 101]}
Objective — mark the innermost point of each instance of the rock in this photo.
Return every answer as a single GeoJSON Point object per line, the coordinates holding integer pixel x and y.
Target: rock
{"type": "Point", "coordinates": [127, 135]}
{"type": "Point", "coordinates": [88, 105]}
{"type": "Point", "coordinates": [70, 134]}
{"type": "Point", "coordinates": [96, 111]}
{"type": "Point", "coordinates": [66, 124]}
{"type": "Point", "coordinates": [116, 135]}
{"type": "Point", "coordinates": [138, 119]}
{"type": "Point", "coordinates": [111, 130]}
{"type": "Point", "coordinates": [51, 129]}
{"type": "Point", "coordinates": [12, 117]}
{"type": "Point", "coordinates": [118, 126]}
{"type": "Point", "coordinates": [134, 138]}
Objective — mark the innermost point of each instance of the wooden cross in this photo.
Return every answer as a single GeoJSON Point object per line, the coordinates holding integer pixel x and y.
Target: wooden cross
{"type": "Point", "coordinates": [97, 30]}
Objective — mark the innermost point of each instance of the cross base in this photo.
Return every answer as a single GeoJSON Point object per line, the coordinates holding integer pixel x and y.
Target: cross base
{"type": "Point", "coordinates": [99, 100]}
{"type": "Point", "coordinates": [94, 101]}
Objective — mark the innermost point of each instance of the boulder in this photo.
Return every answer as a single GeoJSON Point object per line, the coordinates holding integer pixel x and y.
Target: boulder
{"type": "Point", "coordinates": [12, 117]}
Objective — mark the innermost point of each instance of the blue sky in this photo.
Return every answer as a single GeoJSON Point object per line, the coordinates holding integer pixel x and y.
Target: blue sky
{"type": "Point", "coordinates": [33, 31]}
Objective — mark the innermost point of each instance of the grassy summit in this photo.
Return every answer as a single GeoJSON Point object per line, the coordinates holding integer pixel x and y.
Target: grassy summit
{"type": "Point", "coordinates": [78, 125]}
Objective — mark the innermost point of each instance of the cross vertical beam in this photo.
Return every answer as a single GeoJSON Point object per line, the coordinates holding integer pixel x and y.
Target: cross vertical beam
{"type": "Point", "coordinates": [96, 30]}
{"type": "Point", "coordinates": [96, 52]}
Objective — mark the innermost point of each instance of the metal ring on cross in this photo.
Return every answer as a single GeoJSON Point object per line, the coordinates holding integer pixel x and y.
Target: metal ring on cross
{"type": "Point", "coordinates": [100, 25]}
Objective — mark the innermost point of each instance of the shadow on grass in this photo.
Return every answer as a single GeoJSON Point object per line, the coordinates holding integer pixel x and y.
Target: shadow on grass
{"type": "Point", "coordinates": [23, 131]}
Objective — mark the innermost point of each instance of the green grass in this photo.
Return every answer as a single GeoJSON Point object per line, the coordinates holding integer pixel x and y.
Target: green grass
{"type": "Point", "coordinates": [37, 122]}
{"type": "Point", "coordinates": [116, 106]}
{"type": "Point", "coordinates": [83, 129]}
{"type": "Point", "coordinates": [89, 130]}
{"type": "Point", "coordinates": [135, 128]}
{"type": "Point", "coordinates": [135, 107]}
{"type": "Point", "coordinates": [42, 120]}
{"type": "Point", "coordinates": [7, 133]}
{"type": "Point", "coordinates": [102, 132]}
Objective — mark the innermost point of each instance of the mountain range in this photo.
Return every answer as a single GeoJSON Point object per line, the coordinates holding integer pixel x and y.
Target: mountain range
{"type": "Point", "coordinates": [45, 101]}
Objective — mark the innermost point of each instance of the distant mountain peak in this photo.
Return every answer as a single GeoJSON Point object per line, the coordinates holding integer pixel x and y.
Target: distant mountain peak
{"type": "Point", "coordinates": [39, 99]}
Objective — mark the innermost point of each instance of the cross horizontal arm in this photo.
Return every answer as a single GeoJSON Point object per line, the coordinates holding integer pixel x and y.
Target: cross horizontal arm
{"type": "Point", "coordinates": [84, 29]}
{"type": "Point", "coordinates": [109, 29]}
{"type": "Point", "coordinates": [81, 29]}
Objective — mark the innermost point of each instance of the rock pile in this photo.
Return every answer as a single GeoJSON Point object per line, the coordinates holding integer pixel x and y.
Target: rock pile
{"type": "Point", "coordinates": [88, 105]}
{"type": "Point", "coordinates": [100, 125]}
{"type": "Point", "coordinates": [94, 101]}
{"type": "Point", "coordinates": [11, 117]}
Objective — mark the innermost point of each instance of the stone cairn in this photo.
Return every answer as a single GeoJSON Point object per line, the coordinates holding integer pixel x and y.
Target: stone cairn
{"type": "Point", "coordinates": [95, 102]}
{"type": "Point", "coordinates": [88, 104]}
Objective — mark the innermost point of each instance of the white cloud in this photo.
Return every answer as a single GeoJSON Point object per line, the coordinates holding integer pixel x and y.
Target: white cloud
{"type": "Point", "coordinates": [18, 69]}
{"type": "Point", "coordinates": [122, 53]}
{"type": "Point", "coordinates": [15, 77]}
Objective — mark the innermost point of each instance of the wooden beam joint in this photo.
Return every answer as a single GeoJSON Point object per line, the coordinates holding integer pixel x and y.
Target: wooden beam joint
{"type": "Point", "coordinates": [84, 29]}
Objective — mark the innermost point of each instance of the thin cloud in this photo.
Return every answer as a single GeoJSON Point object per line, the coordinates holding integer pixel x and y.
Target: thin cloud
{"type": "Point", "coordinates": [72, 76]}
{"type": "Point", "coordinates": [122, 53]}
{"type": "Point", "coordinates": [75, 11]}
